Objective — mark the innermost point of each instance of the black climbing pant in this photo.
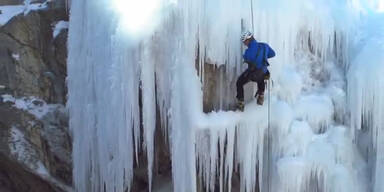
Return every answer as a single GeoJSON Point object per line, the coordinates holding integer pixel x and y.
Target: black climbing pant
{"type": "Point", "coordinates": [255, 75]}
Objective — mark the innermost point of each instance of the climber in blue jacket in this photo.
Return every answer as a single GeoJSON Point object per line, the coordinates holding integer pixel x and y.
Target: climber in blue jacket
{"type": "Point", "coordinates": [256, 56]}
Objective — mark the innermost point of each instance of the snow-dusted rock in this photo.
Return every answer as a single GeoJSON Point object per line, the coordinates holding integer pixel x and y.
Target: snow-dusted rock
{"type": "Point", "coordinates": [32, 63]}
{"type": "Point", "coordinates": [35, 143]}
{"type": "Point", "coordinates": [35, 137]}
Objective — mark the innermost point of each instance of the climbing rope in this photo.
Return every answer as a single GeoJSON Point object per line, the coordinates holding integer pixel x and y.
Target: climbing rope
{"type": "Point", "coordinates": [269, 114]}
{"type": "Point", "coordinates": [268, 136]}
{"type": "Point", "coordinates": [253, 28]}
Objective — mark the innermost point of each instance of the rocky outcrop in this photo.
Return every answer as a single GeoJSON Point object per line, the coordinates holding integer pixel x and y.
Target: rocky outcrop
{"type": "Point", "coordinates": [216, 96]}
{"type": "Point", "coordinates": [11, 2]}
{"type": "Point", "coordinates": [15, 178]}
{"type": "Point", "coordinates": [40, 147]}
{"type": "Point", "coordinates": [32, 62]}
{"type": "Point", "coordinates": [35, 143]}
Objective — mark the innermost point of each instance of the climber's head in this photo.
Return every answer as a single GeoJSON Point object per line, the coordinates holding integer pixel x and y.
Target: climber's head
{"type": "Point", "coordinates": [246, 37]}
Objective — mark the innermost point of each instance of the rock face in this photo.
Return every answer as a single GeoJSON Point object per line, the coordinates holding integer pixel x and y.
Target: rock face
{"type": "Point", "coordinates": [215, 77]}
{"type": "Point", "coordinates": [10, 2]}
{"type": "Point", "coordinates": [35, 143]}
{"type": "Point", "coordinates": [32, 147]}
{"type": "Point", "coordinates": [31, 61]}
{"type": "Point", "coordinates": [15, 178]}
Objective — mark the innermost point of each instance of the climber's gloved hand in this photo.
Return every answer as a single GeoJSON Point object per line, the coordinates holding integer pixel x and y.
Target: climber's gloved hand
{"type": "Point", "coordinates": [267, 76]}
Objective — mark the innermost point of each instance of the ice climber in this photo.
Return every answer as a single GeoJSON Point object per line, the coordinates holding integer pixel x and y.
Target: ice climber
{"type": "Point", "coordinates": [256, 56]}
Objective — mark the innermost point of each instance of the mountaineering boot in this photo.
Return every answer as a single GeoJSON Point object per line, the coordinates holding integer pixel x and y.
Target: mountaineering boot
{"type": "Point", "coordinates": [240, 105]}
{"type": "Point", "coordinates": [260, 99]}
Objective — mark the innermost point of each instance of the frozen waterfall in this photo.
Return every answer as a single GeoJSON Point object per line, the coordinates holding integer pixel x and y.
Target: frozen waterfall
{"type": "Point", "coordinates": [134, 68]}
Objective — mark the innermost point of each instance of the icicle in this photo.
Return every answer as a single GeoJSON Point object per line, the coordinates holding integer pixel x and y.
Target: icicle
{"type": "Point", "coordinates": [149, 107]}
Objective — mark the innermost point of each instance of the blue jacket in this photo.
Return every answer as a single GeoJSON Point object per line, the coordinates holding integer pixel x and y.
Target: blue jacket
{"type": "Point", "coordinates": [250, 56]}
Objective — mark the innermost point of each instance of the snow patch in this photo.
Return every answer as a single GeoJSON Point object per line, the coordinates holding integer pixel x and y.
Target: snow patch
{"type": "Point", "coordinates": [41, 169]}
{"type": "Point", "coordinates": [18, 145]}
{"type": "Point", "coordinates": [16, 56]}
{"type": "Point", "coordinates": [25, 153]}
{"type": "Point", "coordinates": [60, 25]}
{"type": "Point", "coordinates": [28, 6]}
{"type": "Point", "coordinates": [32, 105]}
{"type": "Point", "coordinates": [10, 11]}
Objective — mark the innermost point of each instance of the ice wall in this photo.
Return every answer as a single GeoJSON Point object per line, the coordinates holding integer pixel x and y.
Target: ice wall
{"type": "Point", "coordinates": [365, 88]}
{"type": "Point", "coordinates": [118, 80]}
{"type": "Point", "coordinates": [103, 97]}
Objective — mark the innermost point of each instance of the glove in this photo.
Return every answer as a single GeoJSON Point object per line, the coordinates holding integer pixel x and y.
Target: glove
{"type": "Point", "coordinates": [267, 76]}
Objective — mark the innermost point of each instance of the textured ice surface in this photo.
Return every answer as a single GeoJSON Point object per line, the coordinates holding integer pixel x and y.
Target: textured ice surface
{"type": "Point", "coordinates": [366, 96]}
{"type": "Point", "coordinates": [308, 145]}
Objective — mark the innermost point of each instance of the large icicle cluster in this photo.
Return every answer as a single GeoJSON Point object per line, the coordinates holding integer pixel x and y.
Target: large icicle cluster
{"type": "Point", "coordinates": [119, 81]}
{"type": "Point", "coordinates": [366, 96]}
{"type": "Point", "coordinates": [103, 84]}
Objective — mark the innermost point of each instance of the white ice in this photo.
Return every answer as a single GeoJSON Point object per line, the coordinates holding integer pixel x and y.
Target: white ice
{"type": "Point", "coordinates": [300, 140]}
{"type": "Point", "coordinates": [365, 94]}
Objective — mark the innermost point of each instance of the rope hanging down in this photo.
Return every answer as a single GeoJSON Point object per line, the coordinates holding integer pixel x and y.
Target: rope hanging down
{"type": "Point", "coordinates": [269, 114]}
{"type": "Point", "coordinates": [268, 136]}
{"type": "Point", "coordinates": [253, 27]}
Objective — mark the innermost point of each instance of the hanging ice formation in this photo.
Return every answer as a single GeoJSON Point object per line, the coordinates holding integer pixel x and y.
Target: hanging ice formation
{"type": "Point", "coordinates": [120, 82]}
{"type": "Point", "coordinates": [366, 97]}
